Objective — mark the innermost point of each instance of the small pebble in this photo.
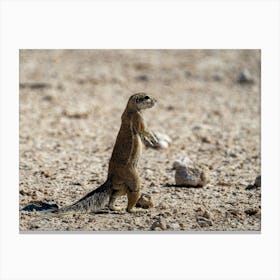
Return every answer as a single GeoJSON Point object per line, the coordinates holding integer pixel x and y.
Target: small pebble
{"type": "Point", "coordinates": [163, 206]}
{"type": "Point", "coordinates": [251, 211]}
{"type": "Point", "coordinates": [202, 221]}
{"type": "Point", "coordinates": [258, 182]}
{"type": "Point", "coordinates": [145, 201]}
{"type": "Point", "coordinates": [143, 78]}
{"type": "Point", "coordinates": [174, 226]}
{"type": "Point", "coordinates": [218, 76]}
{"type": "Point", "coordinates": [160, 223]}
{"type": "Point", "coordinates": [245, 77]}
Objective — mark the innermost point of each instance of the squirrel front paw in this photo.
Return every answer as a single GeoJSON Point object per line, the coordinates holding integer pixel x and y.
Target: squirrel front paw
{"type": "Point", "coordinates": [151, 139]}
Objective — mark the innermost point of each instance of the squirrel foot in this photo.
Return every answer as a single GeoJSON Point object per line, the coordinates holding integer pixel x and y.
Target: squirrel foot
{"type": "Point", "coordinates": [139, 210]}
{"type": "Point", "coordinates": [116, 208]}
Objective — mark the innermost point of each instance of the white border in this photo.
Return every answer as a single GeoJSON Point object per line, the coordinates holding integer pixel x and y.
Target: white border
{"type": "Point", "coordinates": [154, 24]}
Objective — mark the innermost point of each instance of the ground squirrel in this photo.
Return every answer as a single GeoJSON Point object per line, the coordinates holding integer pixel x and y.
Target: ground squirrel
{"type": "Point", "coordinates": [123, 178]}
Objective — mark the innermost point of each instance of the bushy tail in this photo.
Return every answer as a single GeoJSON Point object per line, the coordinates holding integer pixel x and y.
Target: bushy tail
{"type": "Point", "coordinates": [92, 202]}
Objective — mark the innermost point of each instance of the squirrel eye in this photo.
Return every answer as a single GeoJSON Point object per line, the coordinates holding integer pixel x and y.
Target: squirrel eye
{"type": "Point", "coordinates": [147, 97]}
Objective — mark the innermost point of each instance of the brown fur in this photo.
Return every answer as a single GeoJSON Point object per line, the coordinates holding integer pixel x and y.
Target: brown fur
{"type": "Point", "coordinates": [123, 178]}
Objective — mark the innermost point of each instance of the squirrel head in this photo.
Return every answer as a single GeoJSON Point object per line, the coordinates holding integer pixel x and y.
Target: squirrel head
{"type": "Point", "coordinates": [140, 101]}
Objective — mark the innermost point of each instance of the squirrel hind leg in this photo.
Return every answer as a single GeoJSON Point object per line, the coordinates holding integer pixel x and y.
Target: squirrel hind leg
{"type": "Point", "coordinates": [115, 194]}
{"type": "Point", "coordinates": [132, 200]}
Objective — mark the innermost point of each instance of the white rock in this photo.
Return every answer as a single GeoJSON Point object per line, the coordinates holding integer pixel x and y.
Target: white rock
{"type": "Point", "coordinates": [189, 174]}
{"type": "Point", "coordinates": [163, 141]}
{"type": "Point", "coordinates": [163, 144]}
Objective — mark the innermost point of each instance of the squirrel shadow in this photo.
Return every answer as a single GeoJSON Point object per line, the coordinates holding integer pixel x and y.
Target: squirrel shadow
{"type": "Point", "coordinates": [167, 185]}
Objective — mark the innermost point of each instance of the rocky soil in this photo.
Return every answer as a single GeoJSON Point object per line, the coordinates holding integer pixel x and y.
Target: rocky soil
{"type": "Point", "coordinates": [71, 102]}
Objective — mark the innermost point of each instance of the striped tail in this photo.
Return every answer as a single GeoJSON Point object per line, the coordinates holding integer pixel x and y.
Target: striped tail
{"type": "Point", "coordinates": [94, 201]}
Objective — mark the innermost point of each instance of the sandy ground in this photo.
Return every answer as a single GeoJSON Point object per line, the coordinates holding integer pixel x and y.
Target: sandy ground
{"type": "Point", "coordinates": [70, 107]}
